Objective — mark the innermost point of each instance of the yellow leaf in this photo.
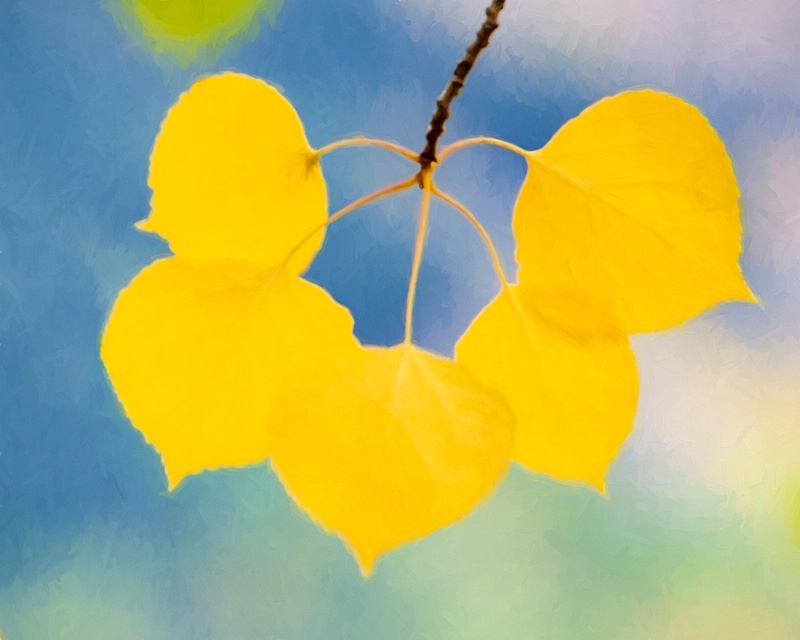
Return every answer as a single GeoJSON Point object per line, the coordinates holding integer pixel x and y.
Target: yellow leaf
{"type": "Point", "coordinates": [567, 371]}
{"type": "Point", "coordinates": [389, 446]}
{"type": "Point", "coordinates": [196, 355]}
{"type": "Point", "coordinates": [634, 202]}
{"type": "Point", "coordinates": [233, 176]}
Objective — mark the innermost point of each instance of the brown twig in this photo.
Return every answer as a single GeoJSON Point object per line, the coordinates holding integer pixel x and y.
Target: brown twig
{"type": "Point", "coordinates": [436, 127]}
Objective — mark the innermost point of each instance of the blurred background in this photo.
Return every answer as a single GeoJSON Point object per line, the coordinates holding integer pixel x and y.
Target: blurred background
{"type": "Point", "coordinates": [701, 536]}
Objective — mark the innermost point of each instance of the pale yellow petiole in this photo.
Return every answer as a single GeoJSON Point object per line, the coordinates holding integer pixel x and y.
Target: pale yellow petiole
{"type": "Point", "coordinates": [368, 142]}
{"type": "Point", "coordinates": [416, 261]}
{"type": "Point", "coordinates": [471, 142]}
{"type": "Point", "coordinates": [498, 267]}
{"type": "Point", "coordinates": [386, 191]}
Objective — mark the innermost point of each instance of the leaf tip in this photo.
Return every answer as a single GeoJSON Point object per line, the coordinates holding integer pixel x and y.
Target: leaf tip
{"type": "Point", "coordinates": [174, 478]}
{"type": "Point", "coordinates": [365, 558]}
{"type": "Point", "coordinates": [602, 489]}
{"type": "Point", "coordinates": [366, 568]}
{"type": "Point", "coordinates": [747, 294]}
{"type": "Point", "coordinates": [597, 482]}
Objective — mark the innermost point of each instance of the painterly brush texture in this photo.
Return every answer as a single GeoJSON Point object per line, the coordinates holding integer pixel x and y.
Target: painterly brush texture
{"type": "Point", "coordinates": [699, 538]}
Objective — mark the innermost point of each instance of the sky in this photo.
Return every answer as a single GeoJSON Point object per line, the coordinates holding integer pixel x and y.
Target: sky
{"type": "Point", "coordinates": [700, 536]}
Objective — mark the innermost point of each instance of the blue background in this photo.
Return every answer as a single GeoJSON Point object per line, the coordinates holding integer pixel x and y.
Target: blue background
{"type": "Point", "coordinates": [700, 537]}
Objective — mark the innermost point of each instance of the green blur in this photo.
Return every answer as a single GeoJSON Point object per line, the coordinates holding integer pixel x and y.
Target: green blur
{"type": "Point", "coordinates": [191, 31]}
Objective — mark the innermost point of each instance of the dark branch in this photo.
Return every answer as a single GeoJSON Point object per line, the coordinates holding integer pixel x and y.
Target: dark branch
{"type": "Point", "coordinates": [436, 127]}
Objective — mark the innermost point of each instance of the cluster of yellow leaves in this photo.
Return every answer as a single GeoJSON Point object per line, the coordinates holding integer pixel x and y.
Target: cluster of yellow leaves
{"type": "Point", "coordinates": [222, 355]}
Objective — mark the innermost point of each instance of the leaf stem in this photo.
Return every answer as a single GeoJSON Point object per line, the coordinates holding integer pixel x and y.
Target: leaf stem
{"type": "Point", "coordinates": [471, 142]}
{"type": "Point", "coordinates": [436, 128]}
{"type": "Point", "coordinates": [425, 177]}
{"type": "Point", "coordinates": [498, 266]}
{"type": "Point", "coordinates": [362, 201]}
{"type": "Point", "coordinates": [368, 142]}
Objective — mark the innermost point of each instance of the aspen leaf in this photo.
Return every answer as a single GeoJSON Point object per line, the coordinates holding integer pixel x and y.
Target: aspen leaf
{"type": "Point", "coordinates": [635, 202]}
{"type": "Point", "coordinates": [568, 372]}
{"type": "Point", "coordinates": [233, 176]}
{"type": "Point", "coordinates": [196, 355]}
{"type": "Point", "coordinates": [389, 446]}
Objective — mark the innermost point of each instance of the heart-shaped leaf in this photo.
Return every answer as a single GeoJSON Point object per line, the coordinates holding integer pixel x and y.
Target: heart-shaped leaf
{"type": "Point", "coordinates": [568, 372]}
{"type": "Point", "coordinates": [634, 202]}
{"type": "Point", "coordinates": [233, 176]}
{"type": "Point", "coordinates": [197, 355]}
{"type": "Point", "coordinates": [390, 446]}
